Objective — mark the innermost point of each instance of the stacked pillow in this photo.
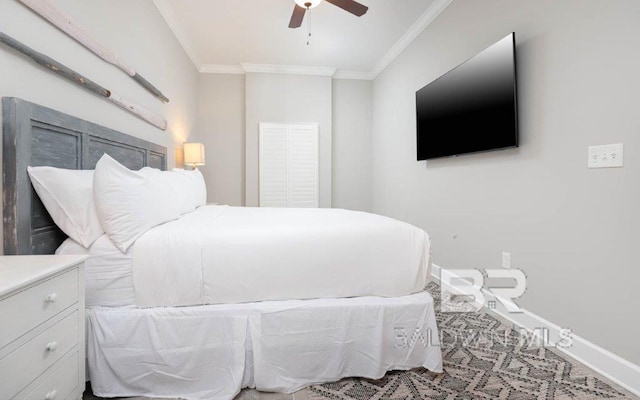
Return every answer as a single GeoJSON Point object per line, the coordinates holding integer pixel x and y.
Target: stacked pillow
{"type": "Point", "coordinates": [114, 200]}
{"type": "Point", "coordinates": [68, 196]}
{"type": "Point", "coordinates": [129, 203]}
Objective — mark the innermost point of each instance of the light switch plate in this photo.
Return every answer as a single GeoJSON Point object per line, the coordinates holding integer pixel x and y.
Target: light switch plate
{"type": "Point", "coordinates": [606, 156]}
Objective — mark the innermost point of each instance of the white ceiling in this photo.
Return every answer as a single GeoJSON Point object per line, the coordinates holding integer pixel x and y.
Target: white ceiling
{"type": "Point", "coordinates": [220, 35]}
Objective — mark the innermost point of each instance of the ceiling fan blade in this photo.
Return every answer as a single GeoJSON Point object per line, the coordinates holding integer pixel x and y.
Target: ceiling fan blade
{"type": "Point", "coordinates": [296, 17]}
{"type": "Point", "coordinates": [351, 6]}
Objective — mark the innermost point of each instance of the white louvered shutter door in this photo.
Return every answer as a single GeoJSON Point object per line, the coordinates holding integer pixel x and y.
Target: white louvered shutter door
{"type": "Point", "coordinates": [274, 178]}
{"type": "Point", "coordinates": [289, 165]}
{"type": "Point", "coordinates": [303, 166]}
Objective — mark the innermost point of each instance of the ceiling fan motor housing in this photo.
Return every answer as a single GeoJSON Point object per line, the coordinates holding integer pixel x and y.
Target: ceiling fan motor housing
{"type": "Point", "coordinates": [302, 6]}
{"type": "Point", "coordinates": [308, 3]}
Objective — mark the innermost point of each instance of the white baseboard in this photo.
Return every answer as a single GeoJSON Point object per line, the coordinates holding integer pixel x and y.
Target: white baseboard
{"type": "Point", "coordinates": [605, 363]}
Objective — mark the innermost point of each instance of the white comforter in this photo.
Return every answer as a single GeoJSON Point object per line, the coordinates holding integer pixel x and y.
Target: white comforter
{"type": "Point", "coordinates": [221, 254]}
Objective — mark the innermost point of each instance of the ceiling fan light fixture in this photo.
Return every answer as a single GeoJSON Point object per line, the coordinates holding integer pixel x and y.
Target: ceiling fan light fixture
{"type": "Point", "coordinates": [308, 3]}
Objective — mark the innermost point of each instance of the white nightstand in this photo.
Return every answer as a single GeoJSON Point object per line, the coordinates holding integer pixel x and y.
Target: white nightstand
{"type": "Point", "coordinates": [42, 341]}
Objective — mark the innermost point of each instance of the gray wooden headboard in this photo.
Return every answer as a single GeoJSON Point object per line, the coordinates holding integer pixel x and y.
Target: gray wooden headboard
{"type": "Point", "coordinates": [39, 136]}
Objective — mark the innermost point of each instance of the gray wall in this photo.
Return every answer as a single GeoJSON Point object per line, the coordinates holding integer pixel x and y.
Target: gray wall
{"type": "Point", "coordinates": [221, 128]}
{"type": "Point", "coordinates": [573, 230]}
{"type": "Point", "coordinates": [287, 99]}
{"type": "Point", "coordinates": [352, 144]}
{"type": "Point", "coordinates": [132, 29]}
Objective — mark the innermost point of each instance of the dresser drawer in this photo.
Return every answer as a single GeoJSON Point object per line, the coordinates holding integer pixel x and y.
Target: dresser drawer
{"type": "Point", "coordinates": [26, 363]}
{"type": "Point", "coordinates": [57, 384]}
{"type": "Point", "coordinates": [27, 309]}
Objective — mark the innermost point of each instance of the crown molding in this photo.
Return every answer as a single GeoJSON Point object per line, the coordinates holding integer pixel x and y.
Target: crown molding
{"type": "Point", "coordinates": [284, 69]}
{"type": "Point", "coordinates": [183, 37]}
{"type": "Point", "coordinates": [221, 69]}
{"type": "Point", "coordinates": [357, 75]}
{"type": "Point", "coordinates": [289, 69]}
{"type": "Point", "coordinates": [425, 19]}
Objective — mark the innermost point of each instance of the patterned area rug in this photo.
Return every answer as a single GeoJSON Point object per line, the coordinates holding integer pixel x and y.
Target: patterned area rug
{"type": "Point", "coordinates": [483, 359]}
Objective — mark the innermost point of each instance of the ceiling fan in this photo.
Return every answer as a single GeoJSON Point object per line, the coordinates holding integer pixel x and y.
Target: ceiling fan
{"type": "Point", "coordinates": [302, 6]}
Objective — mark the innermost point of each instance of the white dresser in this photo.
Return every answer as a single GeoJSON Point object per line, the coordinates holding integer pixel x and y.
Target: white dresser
{"type": "Point", "coordinates": [42, 341]}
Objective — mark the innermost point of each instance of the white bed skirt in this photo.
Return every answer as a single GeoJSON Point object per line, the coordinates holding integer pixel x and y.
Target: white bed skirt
{"type": "Point", "coordinates": [212, 352]}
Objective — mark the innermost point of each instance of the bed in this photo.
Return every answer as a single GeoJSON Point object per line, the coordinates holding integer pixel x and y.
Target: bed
{"type": "Point", "coordinates": [206, 331]}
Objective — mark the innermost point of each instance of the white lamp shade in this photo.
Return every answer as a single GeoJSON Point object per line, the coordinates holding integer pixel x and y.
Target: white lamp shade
{"type": "Point", "coordinates": [194, 154]}
{"type": "Point", "coordinates": [303, 3]}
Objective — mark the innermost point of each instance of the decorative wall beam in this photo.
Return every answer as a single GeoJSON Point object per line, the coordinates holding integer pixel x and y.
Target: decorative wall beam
{"type": "Point", "coordinates": [88, 84]}
{"type": "Point", "coordinates": [76, 31]}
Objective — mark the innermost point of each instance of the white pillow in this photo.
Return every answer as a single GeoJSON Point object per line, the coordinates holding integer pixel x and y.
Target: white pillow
{"type": "Point", "coordinates": [194, 186]}
{"type": "Point", "coordinates": [129, 203]}
{"type": "Point", "coordinates": [67, 195]}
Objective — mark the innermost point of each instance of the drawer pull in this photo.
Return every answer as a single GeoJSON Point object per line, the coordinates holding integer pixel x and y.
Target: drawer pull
{"type": "Point", "coordinates": [51, 395]}
{"type": "Point", "coordinates": [52, 298]}
{"type": "Point", "coordinates": [52, 346]}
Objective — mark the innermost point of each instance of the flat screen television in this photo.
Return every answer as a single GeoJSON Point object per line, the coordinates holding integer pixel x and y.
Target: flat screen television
{"type": "Point", "coordinates": [471, 108]}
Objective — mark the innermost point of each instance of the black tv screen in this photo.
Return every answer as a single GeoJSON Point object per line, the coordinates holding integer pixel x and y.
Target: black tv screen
{"type": "Point", "coordinates": [471, 108]}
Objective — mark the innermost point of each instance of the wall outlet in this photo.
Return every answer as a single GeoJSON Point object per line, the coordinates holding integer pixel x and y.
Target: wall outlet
{"type": "Point", "coordinates": [606, 156]}
{"type": "Point", "coordinates": [506, 260]}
